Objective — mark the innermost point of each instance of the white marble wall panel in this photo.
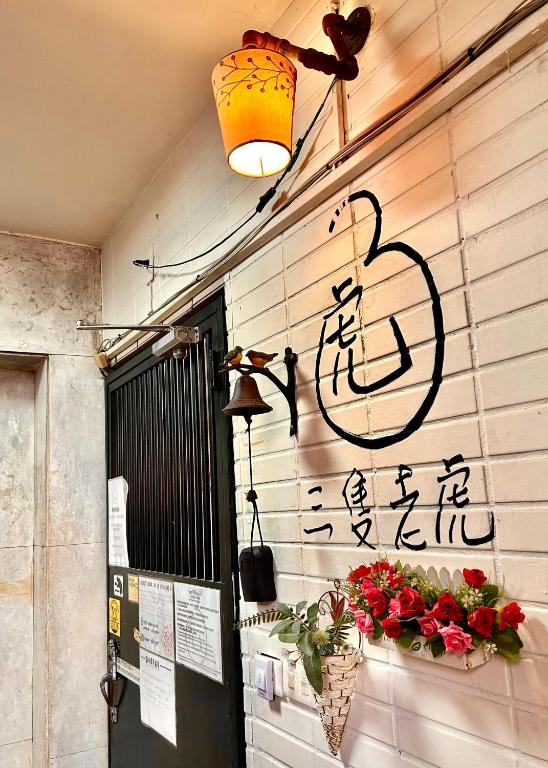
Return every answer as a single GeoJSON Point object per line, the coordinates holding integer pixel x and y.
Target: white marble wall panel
{"type": "Point", "coordinates": [77, 451]}
{"type": "Point", "coordinates": [45, 287]}
{"type": "Point", "coordinates": [16, 649]}
{"type": "Point", "coordinates": [52, 494]}
{"type": "Point", "coordinates": [17, 452]}
{"type": "Point", "coordinates": [17, 755]}
{"type": "Point", "coordinates": [91, 758]}
{"type": "Point", "coordinates": [76, 649]}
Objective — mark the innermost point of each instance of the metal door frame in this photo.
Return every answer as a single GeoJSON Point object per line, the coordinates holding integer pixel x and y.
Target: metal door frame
{"type": "Point", "coordinates": [213, 310]}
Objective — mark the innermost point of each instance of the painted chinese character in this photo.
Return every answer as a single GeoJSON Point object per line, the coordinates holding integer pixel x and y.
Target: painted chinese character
{"type": "Point", "coordinates": [408, 499]}
{"type": "Point", "coordinates": [316, 508]}
{"type": "Point", "coordinates": [454, 491]}
{"type": "Point", "coordinates": [355, 495]}
{"type": "Point", "coordinates": [339, 342]}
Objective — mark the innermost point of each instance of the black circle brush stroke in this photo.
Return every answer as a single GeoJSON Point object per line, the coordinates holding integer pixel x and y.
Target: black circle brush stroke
{"type": "Point", "coordinates": [405, 362]}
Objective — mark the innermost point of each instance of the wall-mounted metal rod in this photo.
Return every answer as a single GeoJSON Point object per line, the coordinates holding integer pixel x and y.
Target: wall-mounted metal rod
{"type": "Point", "coordinates": [108, 327]}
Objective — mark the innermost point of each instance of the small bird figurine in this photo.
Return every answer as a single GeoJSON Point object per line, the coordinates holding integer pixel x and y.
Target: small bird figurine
{"type": "Point", "coordinates": [234, 356]}
{"type": "Point", "coordinates": [260, 359]}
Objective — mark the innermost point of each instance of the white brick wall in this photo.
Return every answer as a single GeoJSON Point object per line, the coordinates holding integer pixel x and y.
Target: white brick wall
{"type": "Point", "coordinates": [469, 192]}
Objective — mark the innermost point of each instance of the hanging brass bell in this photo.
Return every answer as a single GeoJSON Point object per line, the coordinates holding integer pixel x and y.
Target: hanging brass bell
{"type": "Point", "coordinates": [246, 400]}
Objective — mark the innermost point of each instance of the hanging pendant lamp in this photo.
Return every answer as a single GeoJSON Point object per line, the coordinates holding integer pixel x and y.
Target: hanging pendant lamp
{"type": "Point", "coordinates": [255, 95]}
{"type": "Point", "coordinates": [254, 90]}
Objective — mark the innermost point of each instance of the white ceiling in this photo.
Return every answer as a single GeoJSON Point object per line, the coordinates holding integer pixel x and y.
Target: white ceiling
{"type": "Point", "coordinates": [94, 95]}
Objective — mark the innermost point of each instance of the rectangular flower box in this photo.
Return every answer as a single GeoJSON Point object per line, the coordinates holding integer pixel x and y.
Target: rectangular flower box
{"type": "Point", "coordinates": [418, 650]}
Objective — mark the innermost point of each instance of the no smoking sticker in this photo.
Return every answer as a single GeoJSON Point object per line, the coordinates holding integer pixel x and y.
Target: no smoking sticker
{"type": "Point", "coordinates": [118, 585]}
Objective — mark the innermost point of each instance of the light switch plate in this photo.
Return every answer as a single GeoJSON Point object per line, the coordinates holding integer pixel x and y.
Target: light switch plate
{"type": "Point", "coordinates": [264, 677]}
{"type": "Point", "coordinates": [295, 683]}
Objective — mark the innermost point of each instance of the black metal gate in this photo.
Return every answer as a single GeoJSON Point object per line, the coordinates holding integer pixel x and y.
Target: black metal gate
{"type": "Point", "coordinates": [168, 439]}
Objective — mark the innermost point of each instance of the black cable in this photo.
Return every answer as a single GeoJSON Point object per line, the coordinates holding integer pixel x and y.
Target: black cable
{"type": "Point", "coordinates": [146, 262]}
{"type": "Point", "coordinates": [252, 496]}
{"type": "Point", "coordinates": [269, 194]}
{"type": "Point", "coordinates": [263, 200]}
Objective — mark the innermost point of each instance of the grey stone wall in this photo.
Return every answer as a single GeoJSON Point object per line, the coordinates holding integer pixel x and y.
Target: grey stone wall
{"type": "Point", "coordinates": [52, 508]}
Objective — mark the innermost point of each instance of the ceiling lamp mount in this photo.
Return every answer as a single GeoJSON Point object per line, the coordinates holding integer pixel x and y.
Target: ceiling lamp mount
{"type": "Point", "coordinates": [347, 35]}
{"type": "Point", "coordinates": [254, 90]}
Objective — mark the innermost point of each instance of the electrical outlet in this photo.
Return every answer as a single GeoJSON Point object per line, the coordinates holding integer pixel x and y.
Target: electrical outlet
{"type": "Point", "coordinates": [295, 683]}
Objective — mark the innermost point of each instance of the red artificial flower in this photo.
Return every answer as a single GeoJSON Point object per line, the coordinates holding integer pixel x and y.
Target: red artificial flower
{"type": "Point", "coordinates": [382, 565]}
{"type": "Point", "coordinates": [447, 608]}
{"type": "Point", "coordinates": [482, 620]}
{"type": "Point", "coordinates": [474, 577]}
{"type": "Point", "coordinates": [407, 603]}
{"type": "Point", "coordinates": [376, 599]}
{"type": "Point", "coordinates": [359, 573]}
{"type": "Point", "coordinates": [395, 579]}
{"type": "Point", "coordinates": [429, 625]}
{"type": "Point", "coordinates": [456, 640]}
{"type": "Point", "coordinates": [511, 615]}
{"type": "Point", "coordinates": [392, 628]}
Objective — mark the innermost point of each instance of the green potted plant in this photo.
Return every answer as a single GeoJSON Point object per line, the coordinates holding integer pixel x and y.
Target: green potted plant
{"type": "Point", "coordinates": [330, 663]}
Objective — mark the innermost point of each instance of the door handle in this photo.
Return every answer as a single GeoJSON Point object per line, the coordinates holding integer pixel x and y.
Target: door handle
{"type": "Point", "coordinates": [106, 688]}
{"type": "Point", "coordinates": [108, 682]}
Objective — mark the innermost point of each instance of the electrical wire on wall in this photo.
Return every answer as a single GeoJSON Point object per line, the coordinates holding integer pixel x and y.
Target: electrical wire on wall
{"type": "Point", "coordinates": [520, 12]}
{"type": "Point", "coordinates": [480, 46]}
{"type": "Point", "coordinates": [263, 200]}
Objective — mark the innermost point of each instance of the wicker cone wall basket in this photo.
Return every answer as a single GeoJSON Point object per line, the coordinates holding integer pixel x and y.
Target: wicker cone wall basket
{"type": "Point", "coordinates": [339, 673]}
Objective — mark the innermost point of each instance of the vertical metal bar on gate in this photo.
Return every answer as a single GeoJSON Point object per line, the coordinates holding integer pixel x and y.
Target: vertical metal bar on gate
{"type": "Point", "coordinates": [161, 427]}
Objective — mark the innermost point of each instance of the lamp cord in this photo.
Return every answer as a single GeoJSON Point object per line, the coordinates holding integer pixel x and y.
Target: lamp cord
{"type": "Point", "coordinates": [263, 200]}
{"type": "Point", "coordinates": [251, 494]}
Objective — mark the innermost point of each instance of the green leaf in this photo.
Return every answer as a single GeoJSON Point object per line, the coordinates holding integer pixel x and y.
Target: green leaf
{"type": "Point", "coordinates": [313, 668]}
{"type": "Point", "coordinates": [285, 609]}
{"type": "Point", "coordinates": [300, 606]}
{"type": "Point", "coordinates": [477, 639]}
{"type": "Point", "coordinates": [282, 626]}
{"type": "Point", "coordinates": [514, 635]}
{"type": "Point", "coordinates": [312, 613]}
{"type": "Point", "coordinates": [399, 566]}
{"type": "Point", "coordinates": [296, 627]}
{"type": "Point", "coordinates": [379, 631]}
{"type": "Point", "coordinates": [265, 617]}
{"type": "Point", "coordinates": [490, 593]}
{"type": "Point", "coordinates": [306, 644]}
{"type": "Point", "coordinates": [288, 637]}
{"type": "Point", "coordinates": [406, 638]}
{"type": "Point", "coordinates": [507, 646]}
{"type": "Point", "coordinates": [437, 646]}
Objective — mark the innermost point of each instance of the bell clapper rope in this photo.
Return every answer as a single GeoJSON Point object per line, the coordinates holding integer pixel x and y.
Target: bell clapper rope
{"type": "Point", "coordinates": [251, 495]}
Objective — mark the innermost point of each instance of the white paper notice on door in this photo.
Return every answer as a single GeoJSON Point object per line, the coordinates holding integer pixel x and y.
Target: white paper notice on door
{"type": "Point", "coordinates": [157, 679]}
{"type": "Point", "coordinates": [117, 536]}
{"type": "Point", "coordinates": [198, 628]}
{"type": "Point", "coordinates": [156, 616]}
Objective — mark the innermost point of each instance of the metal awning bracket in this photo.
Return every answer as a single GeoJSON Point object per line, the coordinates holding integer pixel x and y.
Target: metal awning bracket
{"type": "Point", "coordinates": [176, 342]}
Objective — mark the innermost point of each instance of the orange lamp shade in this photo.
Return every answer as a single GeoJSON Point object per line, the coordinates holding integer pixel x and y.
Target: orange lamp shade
{"type": "Point", "coordinates": [255, 94]}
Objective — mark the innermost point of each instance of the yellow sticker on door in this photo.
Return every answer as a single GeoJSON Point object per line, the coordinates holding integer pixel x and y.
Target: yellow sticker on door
{"type": "Point", "coordinates": [114, 616]}
{"type": "Point", "coordinates": [133, 588]}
